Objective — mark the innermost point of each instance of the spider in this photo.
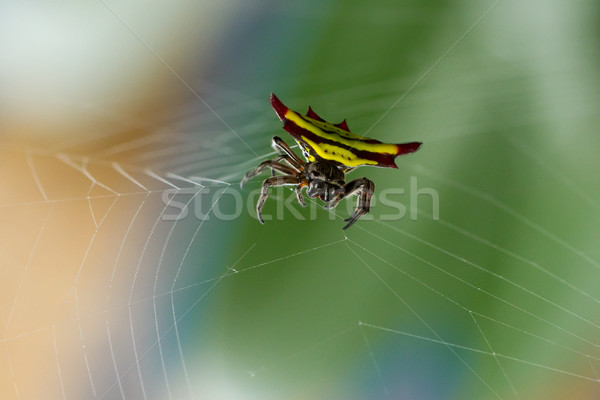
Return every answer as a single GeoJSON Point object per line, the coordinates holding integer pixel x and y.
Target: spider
{"type": "Point", "coordinates": [331, 151]}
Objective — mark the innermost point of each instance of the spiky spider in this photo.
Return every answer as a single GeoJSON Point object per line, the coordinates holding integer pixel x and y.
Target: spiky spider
{"type": "Point", "coordinates": [331, 152]}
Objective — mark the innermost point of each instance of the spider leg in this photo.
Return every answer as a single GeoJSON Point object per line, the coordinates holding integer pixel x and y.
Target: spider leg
{"type": "Point", "coordinates": [287, 159]}
{"type": "Point", "coordinates": [334, 202]}
{"type": "Point", "coordinates": [364, 188]}
{"type": "Point", "coordinates": [281, 180]}
{"type": "Point", "coordinates": [273, 165]}
{"type": "Point", "coordinates": [278, 144]}
{"type": "Point", "coordinates": [299, 193]}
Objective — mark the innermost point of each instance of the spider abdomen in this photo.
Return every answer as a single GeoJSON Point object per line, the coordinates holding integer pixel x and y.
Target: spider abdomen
{"type": "Point", "coordinates": [331, 151]}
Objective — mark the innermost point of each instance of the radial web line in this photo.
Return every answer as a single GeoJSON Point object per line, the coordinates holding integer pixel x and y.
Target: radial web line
{"type": "Point", "coordinates": [89, 202]}
{"type": "Point", "coordinates": [533, 335]}
{"type": "Point", "coordinates": [132, 144]}
{"type": "Point", "coordinates": [305, 350]}
{"type": "Point", "coordinates": [85, 255]}
{"type": "Point", "coordinates": [152, 174]}
{"type": "Point", "coordinates": [179, 268]}
{"type": "Point", "coordinates": [468, 310]}
{"type": "Point", "coordinates": [194, 305]}
{"type": "Point", "coordinates": [172, 327]}
{"type": "Point", "coordinates": [25, 270]}
{"type": "Point", "coordinates": [35, 175]}
{"type": "Point", "coordinates": [181, 178]}
{"type": "Point", "coordinates": [130, 303]}
{"type": "Point", "coordinates": [135, 276]}
{"type": "Point", "coordinates": [162, 60]}
{"type": "Point", "coordinates": [75, 199]}
{"type": "Point", "coordinates": [449, 254]}
{"type": "Point", "coordinates": [12, 372]}
{"type": "Point", "coordinates": [508, 210]}
{"type": "Point", "coordinates": [487, 342]}
{"type": "Point", "coordinates": [156, 276]}
{"type": "Point", "coordinates": [120, 251]}
{"type": "Point", "coordinates": [237, 271]}
{"type": "Point", "coordinates": [412, 310]}
{"type": "Point", "coordinates": [494, 274]}
{"type": "Point", "coordinates": [511, 254]}
{"type": "Point", "coordinates": [468, 284]}
{"type": "Point", "coordinates": [120, 170]}
{"type": "Point", "coordinates": [114, 202]}
{"type": "Point", "coordinates": [374, 360]}
{"type": "Point", "coordinates": [83, 169]}
{"type": "Point", "coordinates": [549, 168]}
{"type": "Point", "coordinates": [83, 347]}
{"type": "Point", "coordinates": [460, 39]}
{"type": "Point", "coordinates": [483, 291]}
{"type": "Point", "coordinates": [114, 362]}
{"type": "Point", "coordinates": [230, 272]}
{"type": "Point", "coordinates": [381, 239]}
{"type": "Point", "coordinates": [60, 378]}
{"type": "Point", "coordinates": [594, 370]}
{"type": "Point", "coordinates": [24, 334]}
{"type": "Point", "coordinates": [487, 353]}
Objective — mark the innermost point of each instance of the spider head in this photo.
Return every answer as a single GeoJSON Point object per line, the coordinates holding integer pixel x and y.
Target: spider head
{"type": "Point", "coordinates": [325, 180]}
{"type": "Point", "coordinates": [324, 190]}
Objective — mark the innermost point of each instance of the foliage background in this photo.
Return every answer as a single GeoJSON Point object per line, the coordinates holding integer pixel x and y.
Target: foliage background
{"type": "Point", "coordinates": [505, 97]}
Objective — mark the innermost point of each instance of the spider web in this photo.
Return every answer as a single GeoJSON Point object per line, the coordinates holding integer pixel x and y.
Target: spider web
{"type": "Point", "coordinates": [121, 281]}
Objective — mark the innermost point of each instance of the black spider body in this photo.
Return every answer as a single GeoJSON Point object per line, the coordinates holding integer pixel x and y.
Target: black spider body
{"type": "Point", "coordinates": [331, 151]}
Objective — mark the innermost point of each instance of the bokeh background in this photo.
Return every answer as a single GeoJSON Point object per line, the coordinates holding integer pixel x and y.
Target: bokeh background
{"type": "Point", "coordinates": [115, 116]}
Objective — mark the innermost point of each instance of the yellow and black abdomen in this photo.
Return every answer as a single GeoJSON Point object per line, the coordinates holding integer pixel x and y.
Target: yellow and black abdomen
{"type": "Point", "coordinates": [323, 141]}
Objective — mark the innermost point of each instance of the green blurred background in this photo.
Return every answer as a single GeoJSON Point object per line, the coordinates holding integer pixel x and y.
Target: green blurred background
{"type": "Point", "coordinates": [496, 298]}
